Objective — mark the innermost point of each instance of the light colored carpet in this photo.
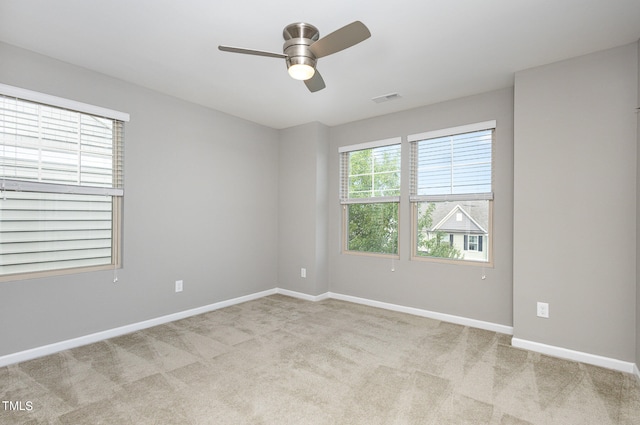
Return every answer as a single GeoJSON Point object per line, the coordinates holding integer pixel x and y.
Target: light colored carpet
{"type": "Point", "coordinates": [280, 360]}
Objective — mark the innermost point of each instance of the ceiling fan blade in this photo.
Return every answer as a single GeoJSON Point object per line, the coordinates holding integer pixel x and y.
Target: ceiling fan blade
{"type": "Point", "coordinates": [340, 39]}
{"type": "Point", "coordinates": [315, 83]}
{"type": "Point", "coordinates": [251, 52]}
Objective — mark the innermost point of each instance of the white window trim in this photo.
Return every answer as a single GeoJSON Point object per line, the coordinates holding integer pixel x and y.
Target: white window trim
{"type": "Point", "coordinates": [60, 102]}
{"type": "Point", "coordinates": [370, 145]}
{"type": "Point", "coordinates": [453, 131]}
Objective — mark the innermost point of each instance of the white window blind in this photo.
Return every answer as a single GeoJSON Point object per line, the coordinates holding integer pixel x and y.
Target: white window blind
{"type": "Point", "coordinates": [370, 172]}
{"type": "Point", "coordinates": [46, 144]}
{"type": "Point", "coordinates": [49, 231]}
{"type": "Point", "coordinates": [452, 166]}
{"type": "Point", "coordinates": [61, 181]}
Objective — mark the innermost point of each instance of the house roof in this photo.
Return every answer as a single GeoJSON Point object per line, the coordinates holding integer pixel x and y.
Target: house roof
{"type": "Point", "coordinates": [458, 219]}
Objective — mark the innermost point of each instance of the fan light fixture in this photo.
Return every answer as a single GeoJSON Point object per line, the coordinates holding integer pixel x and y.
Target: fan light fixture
{"type": "Point", "coordinates": [301, 71]}
{"type": "Point", "coordinates": [301, 63]}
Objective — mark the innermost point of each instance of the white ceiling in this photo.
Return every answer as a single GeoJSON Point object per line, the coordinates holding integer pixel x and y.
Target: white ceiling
{"type": "Point", "coordinates": [427, 51]}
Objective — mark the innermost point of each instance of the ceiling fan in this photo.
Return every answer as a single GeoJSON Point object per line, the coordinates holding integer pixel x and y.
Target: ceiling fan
{"type": "Point", "coordinates": [303, 47]}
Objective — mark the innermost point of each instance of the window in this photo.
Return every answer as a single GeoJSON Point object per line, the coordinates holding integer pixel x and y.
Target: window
{"type": "Point", "coordinates": [473, 243]}
{"type": "Point", "coordinates": [451, 192]}
{"type": "Point", "coordinates": [61, 184]}
{"type": "Point", "coordinates": [370, 196]}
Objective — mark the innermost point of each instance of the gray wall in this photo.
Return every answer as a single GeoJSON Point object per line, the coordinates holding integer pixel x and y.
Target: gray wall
{"type": "Point", "coordinates": [200, 205]}
{"type": "Point", "coordinates": [576, 157]}
{"type": "Point", "coordinates": [638, 220]}
{"type": "Point", "coordinates": [302, 225]}
{"type": "Point", "coordinates": [575, 167]}
{"type": "Point", "coordinates": [445, 288]}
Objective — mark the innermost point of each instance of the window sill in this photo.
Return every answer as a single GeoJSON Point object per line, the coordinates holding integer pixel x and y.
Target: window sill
{"type": "Point", "coordinates": [372, 254]}
{"type": "Point", "coordinates": [486, 264]}
{"type": "Point", "coordinates": [59, 272]}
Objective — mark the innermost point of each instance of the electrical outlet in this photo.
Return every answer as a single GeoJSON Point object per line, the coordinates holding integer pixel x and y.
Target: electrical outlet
{"type": "Point", "coordinates": [179, 286]}
{"type": "Point", "coordinates": [303, 272]}
{"type": "Point", "coordinates": [543, 310]}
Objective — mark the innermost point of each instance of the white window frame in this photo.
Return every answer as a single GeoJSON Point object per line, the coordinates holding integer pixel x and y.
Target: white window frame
{"type": "Point", "coordinates": [416, 199]}
{"type": "Point", "coordinates": [476, 243]}
{"type": "Point", "coordinates": [115, 191]}
{"type": "Point", "coordinates": [346, 201]}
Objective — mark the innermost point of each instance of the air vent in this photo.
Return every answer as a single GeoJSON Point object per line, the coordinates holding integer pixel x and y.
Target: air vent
{"type": "Point", "coordinates": [386, 97]}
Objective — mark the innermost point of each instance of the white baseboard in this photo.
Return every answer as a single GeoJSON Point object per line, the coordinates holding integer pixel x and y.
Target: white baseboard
{"type": "Point", "coordinates": [111, 333]}
{"type": "Point", "coordinates": [516, 342]}
{"type": "Point", "coordinates": [303, 296]}
{"type": "Point", "coordinates": [577, 356]}
{"type": "Point", "coordinates": [402, 309]}
{"type": "Point", "coordinates": [489, 326]}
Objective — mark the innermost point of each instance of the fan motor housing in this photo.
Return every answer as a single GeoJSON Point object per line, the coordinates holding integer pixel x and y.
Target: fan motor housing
{"type": "Point", "coordinates": [298, 37]}
{"type": "Point", "coordinates": [301, 30]}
